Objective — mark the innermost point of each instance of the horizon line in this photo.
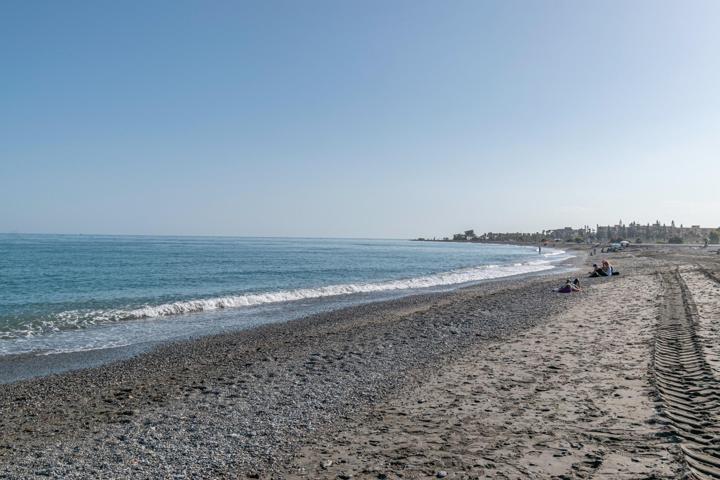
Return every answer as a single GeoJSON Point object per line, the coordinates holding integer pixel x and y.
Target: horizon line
{"type": "Point", "coordinates": [203, 235]}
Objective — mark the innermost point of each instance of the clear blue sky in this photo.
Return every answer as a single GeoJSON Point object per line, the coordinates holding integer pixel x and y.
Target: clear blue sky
{"type": "Point", "coordinates": [356, 118]}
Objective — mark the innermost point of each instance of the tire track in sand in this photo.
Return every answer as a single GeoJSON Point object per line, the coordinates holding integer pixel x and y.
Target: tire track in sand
{"type": "Point", "coordinates": [712, 275]}
{"type": "Point", "coordinates": [689, 392]}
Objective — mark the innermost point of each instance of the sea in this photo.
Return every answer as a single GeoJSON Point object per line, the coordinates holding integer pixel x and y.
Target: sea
{"type": "Point", "coordinates": [75, 293]}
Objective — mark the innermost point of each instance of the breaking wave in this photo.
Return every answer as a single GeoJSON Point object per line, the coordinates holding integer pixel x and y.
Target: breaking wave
{"type": "Point", "coordinates": [78, 319]}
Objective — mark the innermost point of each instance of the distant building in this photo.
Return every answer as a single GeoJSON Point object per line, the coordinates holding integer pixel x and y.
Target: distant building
{"type": "Point", "coordinates": [631, 232]}
{"type": "Point", "coordinates": [655, 232]}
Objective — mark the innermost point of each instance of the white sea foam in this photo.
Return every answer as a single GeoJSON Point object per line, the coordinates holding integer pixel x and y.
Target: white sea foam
{"type": "Point", "coordinates": [484, 272]}
{"type": "Point", "coordinates": [80, 319]}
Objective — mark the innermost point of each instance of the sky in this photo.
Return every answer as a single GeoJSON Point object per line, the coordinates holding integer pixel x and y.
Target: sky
{"type": "Point", "coordinates": [389, 119]}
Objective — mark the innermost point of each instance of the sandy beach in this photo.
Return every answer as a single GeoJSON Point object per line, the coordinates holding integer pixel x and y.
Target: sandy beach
{"type": "Point", "coordinates": [506, 379]}
{"type": "Point", "coordinates": [337, 240]}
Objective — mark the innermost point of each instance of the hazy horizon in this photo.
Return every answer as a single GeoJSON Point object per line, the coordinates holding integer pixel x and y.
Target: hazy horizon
{"type": "Point", "coordinates": [349, 237]}
{"type": "Point", "coordinates": [357, 119]}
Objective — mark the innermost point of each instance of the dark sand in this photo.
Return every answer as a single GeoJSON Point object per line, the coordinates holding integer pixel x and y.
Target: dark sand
{"type": "Point", "coordinates": [501, 380]}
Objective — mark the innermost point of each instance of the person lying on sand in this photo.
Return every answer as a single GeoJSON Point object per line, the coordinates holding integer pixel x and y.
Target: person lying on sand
{"type": "Point", "coordinates": [570, 287]}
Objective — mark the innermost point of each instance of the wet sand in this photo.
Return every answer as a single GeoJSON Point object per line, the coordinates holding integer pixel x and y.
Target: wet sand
{"type": "Point", "coordinates": [502, 380]}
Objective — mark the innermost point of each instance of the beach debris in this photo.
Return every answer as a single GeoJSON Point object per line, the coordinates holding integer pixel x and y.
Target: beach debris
{"type": "Point", "coordinates": [325, 464]}
{"type": "Point", "coordinates": [441, 474]}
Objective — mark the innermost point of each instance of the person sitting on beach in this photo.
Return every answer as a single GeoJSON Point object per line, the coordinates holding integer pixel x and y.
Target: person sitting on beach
{"type": "Point", "coordinates": [596, 271]}
{"type": "Point", "coordinates": [606, 269]}
{"type": "Point", "coordinates": [570, 287]}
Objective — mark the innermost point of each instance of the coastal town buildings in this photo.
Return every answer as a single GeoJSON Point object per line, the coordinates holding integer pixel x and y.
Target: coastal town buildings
{"type": "Point", "coordinates": [634, 232]}
{"type": "Point", "coordinates": [655, 232]}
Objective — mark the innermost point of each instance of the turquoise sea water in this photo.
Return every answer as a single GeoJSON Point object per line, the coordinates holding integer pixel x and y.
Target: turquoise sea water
{"type": "Point", "coordinates": [67, 293]}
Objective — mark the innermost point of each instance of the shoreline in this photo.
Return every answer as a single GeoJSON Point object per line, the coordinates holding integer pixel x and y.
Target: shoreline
{"type": "Point", "coordinates": [505, 379]}
{"type": "Point", "coordinates": [30, 365]}
{"type": "Point", "coordinates": [306, 372]}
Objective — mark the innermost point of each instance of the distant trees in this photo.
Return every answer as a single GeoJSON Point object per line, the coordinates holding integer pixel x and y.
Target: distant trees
{"type": "Point", "coordinates": [714, 237]}
{"type": "Point", "coordinates": [675, 240]}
